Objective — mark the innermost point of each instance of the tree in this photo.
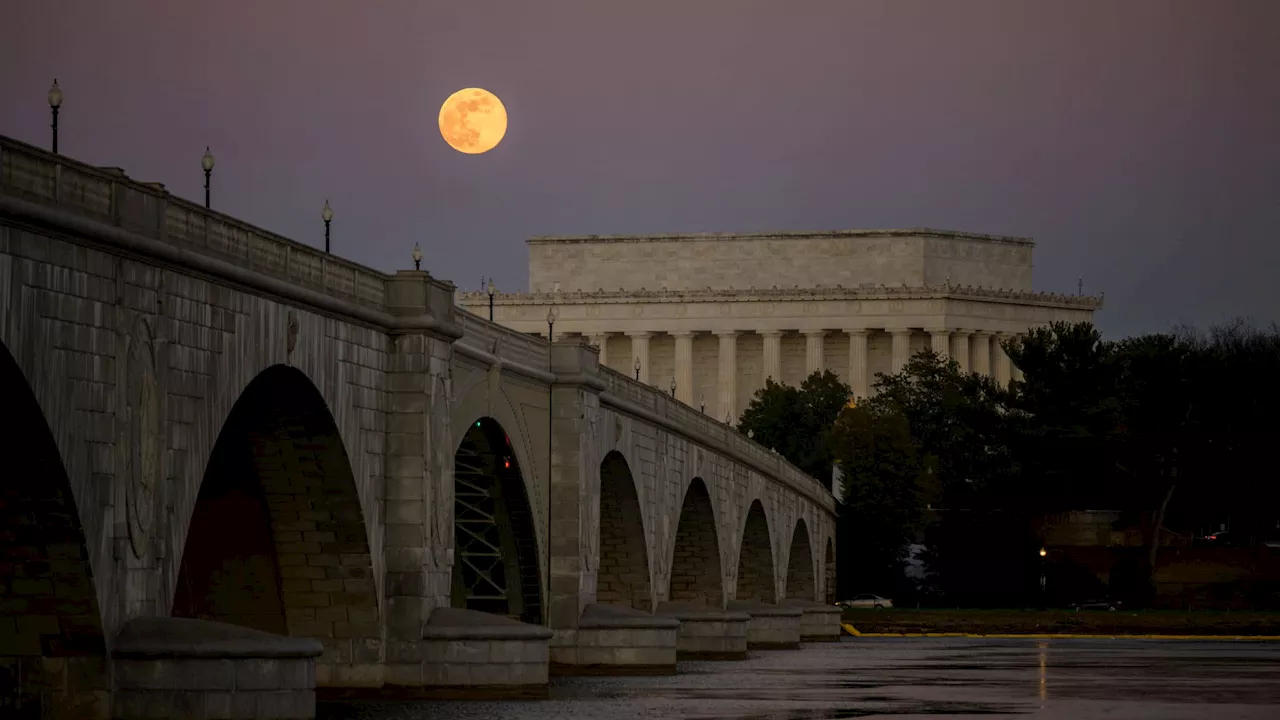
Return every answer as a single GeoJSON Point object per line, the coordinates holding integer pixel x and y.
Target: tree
{"type": "Point", "coordinates": [881, 506]}
{"type": "Point", "coordinates": [797, 422]}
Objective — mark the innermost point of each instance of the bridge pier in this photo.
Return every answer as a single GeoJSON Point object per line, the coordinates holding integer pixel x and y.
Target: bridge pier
{"type": "Point", "coordinates": [708, 633]}
{"type": "Point", "coordinates": [617, 640]}
{"type": "Point", "coordinates": [202, 670]}
{"type": "Point", "coordinates": [820, 623]}
{"type": "Point", "coordinates": [774, 627]}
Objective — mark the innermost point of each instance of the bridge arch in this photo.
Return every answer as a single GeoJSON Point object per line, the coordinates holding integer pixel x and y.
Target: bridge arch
{"type": "Point", "coordinates": [298, 561]}
{"type": "Point", "coordinates": [52, 646]}
{"type": "Point", "coordinates": [756, 576]}
{"type": "Point", "coordinates": [696, 574]}
{"type": "Point", "coordinates": [624, 571]}
{"type": "Point", "coordinates": [800, 580]}
{"type": "Point", "coordinates": [496, 567]}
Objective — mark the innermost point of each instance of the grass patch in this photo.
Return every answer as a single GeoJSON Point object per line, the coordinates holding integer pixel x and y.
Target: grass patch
{"type": "Point", "coordinates": [1086, 622]}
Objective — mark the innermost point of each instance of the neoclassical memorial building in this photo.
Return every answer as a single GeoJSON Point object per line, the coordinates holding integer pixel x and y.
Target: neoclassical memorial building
{"type": "Point", "coordinates": [710, 316]}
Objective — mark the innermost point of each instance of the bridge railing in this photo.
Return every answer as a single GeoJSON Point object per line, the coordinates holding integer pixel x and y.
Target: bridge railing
{"type": "Point", "coordinates": [512, 345]}
{"type": "Point", "coordinates": [713, 433]}
{"type": "Point", "coordinates": [107, 195]}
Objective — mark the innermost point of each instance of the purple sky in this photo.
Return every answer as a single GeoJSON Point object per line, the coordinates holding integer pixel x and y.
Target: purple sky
{"type": "Point", "coordinates": [1137, 141]}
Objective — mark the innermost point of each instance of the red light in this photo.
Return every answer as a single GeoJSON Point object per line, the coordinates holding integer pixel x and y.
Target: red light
{"type": "Point", "coordinates": [1213, 537]}
{"type": "Point", "coordinates": [506, 464]}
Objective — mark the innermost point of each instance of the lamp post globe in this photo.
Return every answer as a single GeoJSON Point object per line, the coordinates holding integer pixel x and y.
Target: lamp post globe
{"type": "Point", "coordinates": [55, 102]}
{"type": "Point", "coordinates": [636, 367]}
{"type": "Point", "coordinates": [206, 162]}
{"type": "Point", "coordinates": [326, 214]}
{"type": "Point", "coordinates": [417, 257]}
{"type": "Point", "coordinates": [491, 290]}
{"type": "Point", "coordinates": [551, 324]}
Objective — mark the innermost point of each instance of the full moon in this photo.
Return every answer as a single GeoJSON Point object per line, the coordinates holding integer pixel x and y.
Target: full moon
{"type": "Point", "coordinates": [473, 121]}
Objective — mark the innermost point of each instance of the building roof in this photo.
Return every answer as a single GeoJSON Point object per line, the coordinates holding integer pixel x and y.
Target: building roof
{"type": "Point", "coordinates": [779, 235]}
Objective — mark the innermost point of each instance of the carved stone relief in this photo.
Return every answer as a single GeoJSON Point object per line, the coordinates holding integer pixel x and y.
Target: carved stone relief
{"type": "Point", "coordinates": [140, 439]}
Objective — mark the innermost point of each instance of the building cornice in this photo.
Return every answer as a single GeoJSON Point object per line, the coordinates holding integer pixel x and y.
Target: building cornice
{"type": "Point", "coordinates": [780, 235]}
{"type": "Point", "coordinates": [817, 294]}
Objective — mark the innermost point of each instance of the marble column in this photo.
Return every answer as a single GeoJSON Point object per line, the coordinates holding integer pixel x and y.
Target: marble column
{"type": "Point", "coordinates": [982, 352]}
{"type": "Point", "coordinates": [813, 351]}
{"type": "Point", "coordinates": [960, 349]}
{"type": "Point", "coordinates": [858, 376]}
{"type": "Point", "coordinates": [727, 378]}
{"type": "Point", "coordinates": [901, 348]}
{"type": "Point", "coordinates": [684, 366]}
{"type": "Point", "coordinates": [1003, 368]}
{"type": "Point", "coordinates": [640, 351]}
{"type": "Point", "coordinates": [940, 342]}
{"type": "Point", "coordinates": [772, 356]}
{"type": "Point", "coordinates": [601, 340]}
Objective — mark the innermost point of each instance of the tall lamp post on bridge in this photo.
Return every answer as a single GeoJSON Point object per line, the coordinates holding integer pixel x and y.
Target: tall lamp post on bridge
{"type": "Point", "coordinates": [206, 162]}
{"type": "Point", "coordinates": [55, 102]}
{"type": "Point", "coordinates": [636, 367]}
{"type": "Point", "coordinates": [551, 324]}
{"type": "Point", "coordinates": [673, 386]}
{"type": "Point", "coordinates": [326, 214]}
{"type": "Point", "coordinates": [491, 290]}
{"type": "Point", "coordinates": [417, 257]}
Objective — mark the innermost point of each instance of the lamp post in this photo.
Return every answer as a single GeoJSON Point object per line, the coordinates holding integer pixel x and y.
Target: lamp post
{"type": "Point", "coordinates": [206, 162]}
{"type": "Point", "coordinates": [673, 386]}
{"type": "Point", "coordinates": [636, 367]}
{"type": "Point", "coordinates": [55, 102]}
{"type": "Point", "coordinates": [417, 257]}
{"type": "Point", "coordinates": [1043, 591]}
{"type": "Point", "coordinates": [326, 214]}
{"type": "Point", "coordinates": [551, 324]}
{"type": "Point", "coordinates": [702, 404]}
{"type": "Point", "coordinates": [491, 290]}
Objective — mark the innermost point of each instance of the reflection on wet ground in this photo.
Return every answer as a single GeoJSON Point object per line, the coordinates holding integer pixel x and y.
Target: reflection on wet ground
{"type": "Point", "coordinates": [914, 678]}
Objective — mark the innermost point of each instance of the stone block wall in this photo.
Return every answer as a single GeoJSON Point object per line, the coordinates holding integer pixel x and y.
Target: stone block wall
{"type": "Point", "coordinates": [800, 566]}
{"type": "Point", "coordinates": [755, 564]}
{"type": "Point", "coordinates": [695, 567]}
{"type": "Point", "coordinates": [623, 576]}
{"type": "Point", "coordinates": [214, 688]}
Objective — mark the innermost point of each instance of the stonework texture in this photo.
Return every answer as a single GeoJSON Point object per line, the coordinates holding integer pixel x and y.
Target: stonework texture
{"type": "Point", "coordinates": [223, 424]}
{"type": "Point", "coordinates": [849, 258]}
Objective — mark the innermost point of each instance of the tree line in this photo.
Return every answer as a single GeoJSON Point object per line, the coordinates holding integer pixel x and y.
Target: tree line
{"type": "Point", "coordinates": [1174, 431]}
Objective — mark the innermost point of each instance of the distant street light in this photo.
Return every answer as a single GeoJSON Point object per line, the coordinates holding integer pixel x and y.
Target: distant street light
{"type": "Point", "coordinates": [637, 367]}
{"type": "Point", "coordinates": [417, 257]}
{"type": "Point", "coordinates": [551, 324]}
{"type": "Point", "coordinates": [55, 102]}
{"type": "Point", "coordinates": [673, 386]}
{"type": "Point", "coordinates": [206, 162]}
{"type": "Point", "coordinates": [1043, 589]}
{"type": "Point", "coordinates": [491, 290]}
{"type": "Point", "coordinates": [702, 403]}
{"type": "Point", "coordinates": [326, 214]}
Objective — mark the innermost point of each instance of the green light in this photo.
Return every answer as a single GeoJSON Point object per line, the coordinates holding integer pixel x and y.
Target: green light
{"type": "Point", "coordinates": [477, 423]}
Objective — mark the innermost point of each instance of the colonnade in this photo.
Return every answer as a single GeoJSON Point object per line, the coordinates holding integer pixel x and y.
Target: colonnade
{"type": "Point", "coordinates": [978, 351]}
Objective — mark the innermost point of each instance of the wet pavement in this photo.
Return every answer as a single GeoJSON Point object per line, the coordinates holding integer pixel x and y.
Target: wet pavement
{"type": "Point", "coordinates": [915, 678]}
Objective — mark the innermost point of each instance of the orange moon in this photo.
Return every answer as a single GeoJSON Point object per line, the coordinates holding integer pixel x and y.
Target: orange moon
{"type": "Point", "coordinates": [473, 121]}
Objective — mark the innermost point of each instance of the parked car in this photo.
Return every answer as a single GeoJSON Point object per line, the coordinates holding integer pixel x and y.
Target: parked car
{"type": "Point", "coordinates": [1096, 605]}
{"type": "Point", "coordinates": [867, 601]}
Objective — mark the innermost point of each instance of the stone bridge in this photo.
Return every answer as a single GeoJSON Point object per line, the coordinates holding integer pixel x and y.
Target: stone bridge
{"type": "Point", "coordinates": [240, 471]}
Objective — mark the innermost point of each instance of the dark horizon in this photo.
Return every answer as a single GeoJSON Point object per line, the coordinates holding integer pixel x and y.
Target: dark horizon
{"type": "Point", "coordinates": [1134, 142]}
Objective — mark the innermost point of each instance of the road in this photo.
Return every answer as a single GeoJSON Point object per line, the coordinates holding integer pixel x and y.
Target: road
{"type": "Point", "coordinates": [915, 678]}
